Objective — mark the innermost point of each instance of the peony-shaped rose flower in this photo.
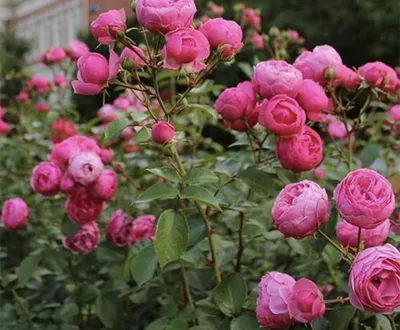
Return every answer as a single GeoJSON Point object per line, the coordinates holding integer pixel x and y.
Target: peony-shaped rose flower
{"type": "Point", "coordinates": [162, 132]}
{"type": "Point", "coordinates": [301, 152]}
{"type": "Point", "coordinates": [39, 84]}
{"type": "Point", "coordinates": [86, 239]}
{"type": "Point", "coordinates": [143, 227]}
{"type": "Point", "coordinates": [185, 47]}
{"type": "Point", "coordinates": [132, 58]}
{"type": "Point", "coordinates": [364, 198]}
{"type": "Point", "coordinates": [300, 209]}
{"type": "Point", "coordinates": [14, 214]}
{"type": "Point", "coordinates": [105, 186]}
{"type": "Point", "coordinates": [106, 26]}
{"type": "Point", "coordinates": [62, 129]}
{"type": "Point", "coordinates": [76, 49]}
{"type": "Point", "coordinates": [82, 207]}
{"type": "Point", "coordinates": [68, 185]}
{"type": "Point", "coordinates": [375, 280]}
{"type": "Point", "coordinates": [347, 234]}
{"type": "Point", "coordinates": [274, 295]}
{"type": "Point", "coordinates": [85, 167]}
{"type": "Point", "coordinates": [249, 120]}
{"type": "Point", "coordinates": [46, 179]}
{"type": "Point", "coordinates": [282, 116]}
{"type": "Point", "coordinates": [119, 229]}
{"type": "Point", "coordinates": [312, 97]}
{"type": "Point", "coordinates": [163, 16]}
{"type": "Point", "coordinates": [271, 78]}
{"type": "Point", "coordinates": [53, 55]}
{"type": "Point", "coordinates": [378, 74]}
{"type": "Point", "coordinates": [346, 78]}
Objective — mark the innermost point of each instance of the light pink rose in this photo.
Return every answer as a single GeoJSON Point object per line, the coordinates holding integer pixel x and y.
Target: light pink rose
{"type": "Point", "coordinates": [122, 103]}
{"type": "Point", "coordinates": [143, 227]}
{"type": "Point", "coordinates": [39, 84]}
{"type": "Point", "coordinates": [86, 239]}
{"type": "Point", "coordinates": [300, 209]}
{"type": "Point", "coordinates": [23, 97]}
{"type": "Point", "coordinates": [105, 186]}
{"type": "Point", "coordinates": [85, 167]}
{"type": "Point", "coordinates": [336, 128]}
{"type": "Point", "coordinates": [82, 207]}
{"type": "Point", "coordinates": [272, 77]}
{"type": "Point", "coordinates": [163, 16]}
{"type": "Point", "coordinates": [76, 49]}
{"type": "Point", "coordinates": [375, 280]}
{"type": "Point", "coordinates": [4, 127]}
{"type": "Point", "coordinates": [252, 18]}
{"type": "Point", "coordinates": [274, 294]}
{"type": "Point", "coordinates": [364, 198]}
{"type": "Point", "coordinates": [106, 26]}
{"type": "Point", "coordinates": [394, 113]}
{"type": "Point", "coordinates": [378, 74]}
{"type": "Point", "coordinates": [282, 116]}
{"type": "Point", "coordinates": [347, 234]}
{"type": "Point", "coordinates": [162, 132]}
{"type": "Point", "coordinates": [301, 152]}
{"type": "Point", "coordinates": [185, 47]}
{"type": "Point", "coordinates": [108, 113]}
{"type": "Point", "coordinates": [14, 214]}
{"type": "Point", "coordinates": [53, 55]}
{"type": "Point", "coordinates": [257, 40]}
{"type": "Point", "coordinates": [134, 59]}
{"type": "Point", "coordinates": [312, 97]}
{"type": "Point", "coordinates": [119, 229]}
{"type": "Point", "coordinates": [46, 179]}
{"type": "Point", "coordinates": [223, 35]}
{"type": "Point", "coordinates": [346, 78]}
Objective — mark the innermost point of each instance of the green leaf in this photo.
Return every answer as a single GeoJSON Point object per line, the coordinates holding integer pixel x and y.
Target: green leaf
{"type": "Point", "coordinates": [144, 264]}
{"type": "Point", "coordinates": [139, 117]}
{"type": "Point", "coordinates": [69, 311]}
{"type": "Point", "coordinates": [259, 181]}
{"type": "Point", "coordinates": [245, 321]}
{"type": "Point", "coordinates": [177, 324]}
{"type": "Point", "coordinates": [158, 191]}
{"type": "Point", "coordinates": [172, 237]}
{"type": "Point", "coordinates": [369, 154]}
{"type": "Point", "coordinates": [246, 68]}
{"type": "Point", "coordinates": [27, 267]}
{"type": "Point", "coordinates": [201, 195]}
{"type": "Point", "coordinates": [142, 135]}
{"type": "Point", "coordinates": [340, 317]}
{"type": "Point", "coordinates": [203, 107]}
{"type": "Point", "coordinates": [230, 294]}
{"type": "Point", "coordinates": [69, 228]}
{"type": "Point", "coordinates": [331, 256]}
{"type": "Point", "coordinates": [384, 322]}
{"type": "Point", "coordinates": [107, 309]}
{"type": "Point", "coordinates": [114, 129]}
{"type": "Point", "coordinates": [198, 176]}
{"type": "Point", "coordinates": [166, 173]}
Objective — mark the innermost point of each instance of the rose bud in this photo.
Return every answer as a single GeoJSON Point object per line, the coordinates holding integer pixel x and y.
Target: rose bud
{"type": "Point", "coordinates": [319, 173]}
{"type": "Point", "coordinates": [106, 26]}
{"type": "Point", "coordinates": [347, 234]}
{"type": "Point", "coordinates": [394, 113]}
{"type": "Point", "coordinates": [223, 35]}
{"type": "Point", "coordinates": [14, 214]}
{"type": "Point", "coordinates": [4, 128]}
{"type": "Point", "coordinates": [346, 77]}
{"type": "Point", "coordinates": [41, 107]}
{"type": "Point", "coordinates": [271, 78]}
{"type": "Point", "coordinates": [85, 167]}
{"type": "Point", "coordinates": [106, 156]}
{"type": "Point", "coordinates": [135, 61]}
{"type": "Point", "coordinates": [143, 227]}
{"type": "Point", "coordinates": [76, 49]}
{"type": "Point", "coordinates": [301, 152]}
{"type": "Point", "coordinates": [46, 179]}
{"type": "Point", "coordinates": [252, 18]}
{"type": "Point", "coordinates": [62, 129]}
{"type": "Point", "coordinates": [336, 129]}
{"type": "Point", "coordinates": [312, 97]}
{"type": "Point", "coordinates": [53, 55]}
{"type": "Point", "coordinates": [39, 84]}
{"type": "Point", "coordinates": [163, 16]}
{"type": "Point", "coordinates": [274, 294]}
{"type": "Point", "coordinates": [282, 116]}
{"type": "Point", "coordinates": [257, 40]}
{"type": "Point", "coordinates": [185, 47]}
{"type": "Point", "coordinates": [300, 209]}
{"type": "Point", "coordinates": [364, 198]}
{"type": "Point", "coordinates": [86, 239]}
{"type": "Point", "coordinates": [22, 97]}
{"type": "Point", "coordinates": [378, 74]}
{"type": "Point", "coordinates": [59, 81]}
{"type": "Point", "coordinates": [119, 229]}
{"type": "Point", "coordinates": [105, 186]}
{"type": "Point", "coordinates": [162, 132]}
{"type": "Point", "coordinates": [82, 207]}
{"type": "Point", "coordinates": [375, 280]}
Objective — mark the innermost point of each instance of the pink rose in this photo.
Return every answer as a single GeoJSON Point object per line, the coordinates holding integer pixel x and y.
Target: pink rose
{"type": "Point", "coordinates": [294, 35]}
{"type": "Point", "coordinates": [85, 167]}
{"type": "Point", "coordinates": [163, 16]}
{"type": "Point", "coordinates": [108, 113]}
{"type": "Point", "coordinates": [41, 107]}
{"type": "Point", "coordinates": [122, 103]}
{"type": "Point", "coordinates": [185, 47]}
{"type": "Point", "coordinates": [347, 234]}
{"type": "Point", "coordinates": [62, 129]}
{"type": "Point", "coordinates": [4, 128]}
{"type": "Point", "coordinates": [106, 26]}
{"type": "Point", "coordinates": [257, 40]}
{"type": "Point", "coordinates": [22, 97]}
{"type": "Point", "coordinates": [134, 59]}
{"type": "Point", "coordinates": [106, 155]}
{"type": "Point", "coordinates": [314, 64]}
{"type": "Point", "coordinates": [39, 84]}
{"type": "Point", "coordinates": [272, 77]}
{"type": "Point", "coordinates": [312, 97]}
{"type": "Point", "coordinates": [274, 294]}
{"type": "Point", "coordinates": [223, 35]}
{"type": "Point", "coordinates": [105, 186]}
{"type": "Point", "coordinates": [143, 227]}
{"type": "Point", "coordinates": [82, 207]}
{"type": "Point", "coordinates": [378, 74]}
{"type": "Point", "coordinates": [94, 71]}
{"type": "Point", "coordinates": [251, 17]}
{"type": "Point", "coordinates": [364, 198]}
{"type": "Point", "coordinates": [301, 152]}
{"type": "Point", "coordinates": [319, 173]}
{"type": "Point", "coordinates": [346, 78]}
{"type": "Point", "coordinates": [249, 120]}
{"type": "Point", "coordinates": [76, 49]}
{"type": "Point", "coordinates": [162, 132]}
{"type": "Point", "coordinates": [14, 214]}
{"type": "Point", "coordinates": [53, 55]}
{"type": "Point", "coordinates": [394, 113]}
{"type": "Point", "coordinates": [68, 185]}
{"type": "Point", "coordinates": [375, 280]}
{"type": "Point", "coordinates": [300, 209]}
{"type": "Point", "coordinates": [46, 179]}
{"type": "Point", "coordinates": [336, 129]}
{"type": "Point", "coordinates": [59, 81]}
{"type": "Point", "coordinates": [282, 116]}
{"type": "Point", "coordinates": [86, 239]}
{"type": "Point", "coordinates": [119, 229]}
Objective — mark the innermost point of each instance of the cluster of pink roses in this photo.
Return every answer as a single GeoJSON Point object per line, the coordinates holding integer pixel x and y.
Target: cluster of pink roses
{"type": "Point", "coordinates": [73, 50]}
{"type": "Point", "coordinates": [62, 129]}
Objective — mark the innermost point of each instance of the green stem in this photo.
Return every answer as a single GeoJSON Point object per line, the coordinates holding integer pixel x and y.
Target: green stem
{"type": "Point", "coordinates": [240, 247]}
{"type": "Point", "coordinates": [358, 240]}
{"type": "Point", "coordinates": [337, 247]}
{"type": "Point", "coordinates": [187, 288]}
{"type": "Point", "coordinates": [23, 308]}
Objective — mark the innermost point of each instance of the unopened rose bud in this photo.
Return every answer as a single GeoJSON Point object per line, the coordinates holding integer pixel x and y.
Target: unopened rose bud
{"type": "Point", "coordinates": [274, 31]}
{"type": "Point", "coordinates": [330, 73]}
{"type": "Point", "coordinates": [133, 5]}
{"type": "Point", "coordinates": [162, 132]}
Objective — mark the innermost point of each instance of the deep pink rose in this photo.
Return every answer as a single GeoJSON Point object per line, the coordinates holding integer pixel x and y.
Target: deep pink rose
{"type": "Point", "coordinates": [312, 97]}
{"type": "Point", "coordinates": [23, 97]}
{"type": "Point", "coordinates": [46, 179]}
{"type": "Point", "coordinates": [375, 280]}
{"type": "Point", "coordinates": [282, 116]}
{"type": "Point", "coordinates": [106, 155]}
{"type": "Point", "coordinates": [143, 227]}
{"type": "Point", "coordinates": [4, 127]}
{"type": "Point", "coordinates": [134, 59]}
{"type": "Point", "coordinates": [108, 113]}
{"type": "Point", "coordinates": [249, 120]}
{"type": "Point", "coordinates": [163, 16]}
{"type": "Point", "coordinates": [14, 214]}
{"type": "Point", "coordinates": [86, 239]}
{"type": "Point", "coordinates": [272, 77]}
{"type": "Point", "coordinates": [300, 209]}
{"type": "Point", "coordinates": [41, 107]}
{"type": "Point", "coordinates": [106, 26]}
{"type": "Point", "coordinates": [53, 55]}
{"type": "Point", "coordinates": [185, 47]}
{"type": "Point", "coordinates": [62, 129]}
{"type": "Point", "coordinates": [252, 18]}
{"type": "Point", "coordinates": [68, 185]}
{"type": "Point", "coordinates": [257, 40]}
{"type": "Point", "coordinates": [119, 229]}
{"type": "Point", "coordinates": [346, 78]}
{"type": "Point", "coordinates": [364, 198]}
{"type": "Point", "coordinates": [39, 84]}
{"type": "Point", "coordinates": [378, 74]}
{"type": "Point", "coordinates": [85, 167]}
{"type": "Point", "coordinates": [347, 234]}
{"type": "Point", "coordinates": [223, 35]}
{"type": "Point", "coordinates": [105, 186]}
{"type": "Point", "coordinates": [301, 152]}
{"type": "Point", "coordinates": [76, 49]}
{"type": "Point", "coordinates": [394, 113]}
{"type": "Point", "coordinates": [82, 207]}
{"type": "Point", "coordinates": [162, 132]}
{"type": "Point", "coordinates": [319, 173]}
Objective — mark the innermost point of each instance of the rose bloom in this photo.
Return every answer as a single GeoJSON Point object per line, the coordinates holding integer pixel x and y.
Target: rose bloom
{"type": "Point", "coordinates": [22, 97]}
{"type": "Point", "coordinates": [300, 209]}
{"type": "Point", "coordinates": [122, 103]}
{"type": "Point", "coordinates": [336, 128]}
{"type": "Point", "coordinates": [163, 16]}
{"type": "Point", "coordinates": [62, 129]}
{"type": "Point", "coordinates": [119, 229]}
{"type": "Point", "coordinates": [86, 239]}
{"type": "Point", "coordinates": [106, 155]}
{"type": "Point", "coordinates": [272, 77]}
{"type": "Point", "coordinates": [314, 64]}
{"type": "Point", "coordinates": [85, 167]}
{"type": "Point", "coordinates": [251, 17]}
{"type": "Point", "coordinates": [108, 113]}
{"type": "Point", "coordinates": [39, 84]}
{"type": "Point", "coordinates": [134, 59]}
{"type": "Point", "coordinates": [312, 97]}
{"type": "Point", "coordinates": [4, 127]}
{"type": "Point", "coordinates": [68, 185]}
{"type": "Point", "coordinates": [301, 152]}
{"type": "Point", "coordinates": [59, 81]}
{"type": "Point", "coordinates": [378, 74]}
{"type": "Point", "coordinates": [319, 173]}
{"type": "Point", "coordinates": [394, 113]}
{"type": "Point", "coordinates": [143, 227]}
{"type": "Point", "coordinates": [274, 294]}
{"type": "Point", "coordinates": [41, 107]}
{"type": "Point", "coordinates": [106, 26]}
{"type": "Point", "coordinates": [162, 132]}
{"type": "Point", "coordinates": [46, 179]}
{"type": "Point", "coordinates": [249, 120]}
{"type": "Point", "coordinates": [364, 198]}
{"type": "Point", "coordinates": [347, 234]}
{"type": "Point", "coordinates": [76, 49]}
{"type": "Point", "coordinates": [294, 35]}
{"type": "Point", "coordinates": [282, 116]}
{"type": "Point", "coordinates": [215, 9]}
{"type": "Point", "coordinates": [346, 78]}
{"type": "Point", "coordinates": [105, 186]}
{"type": "Point", "coordinates": [53, 55]}
{"type": "Point", "coordinates": [185, 47]}
{"type": "Point", "coordinates": [375, 280]}
{"type": "Point", "coordinates": [223, 35]}
{"type": "Point", "coordinates": [14, 214]}
{"type": "Point", "coordinates": [82, 207]}
{"type": "Point", "coordinates": [257, 40]}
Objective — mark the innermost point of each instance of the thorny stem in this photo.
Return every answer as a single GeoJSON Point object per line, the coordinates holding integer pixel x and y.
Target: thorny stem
{"type": "Point", "coordinates": [337, 247]}
{"type": "Point", "coordinates": [252, 147]}
{"type": "Point", "coordinates": [241, 247]}
{"type": "Point", "coordinates": [187, 288]}
{"type": "Point", "coordinates": [338, 300]}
